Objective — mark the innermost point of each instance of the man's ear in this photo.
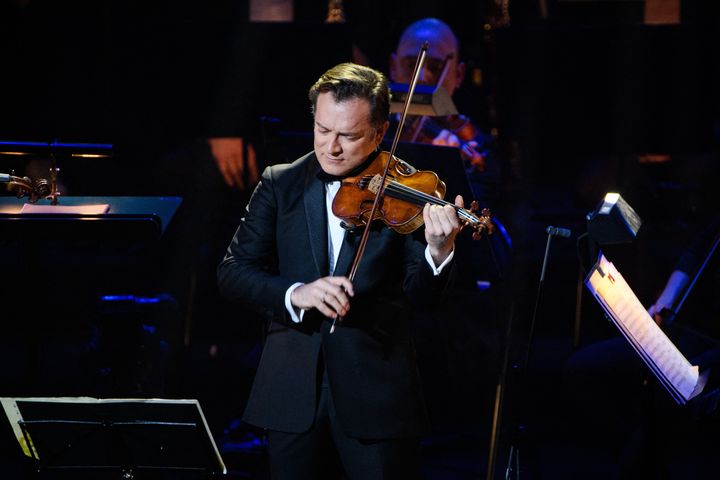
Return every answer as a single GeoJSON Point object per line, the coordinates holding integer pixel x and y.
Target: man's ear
{"type": "Point", "coordinates": [380, 134]}
{"type": "Point", "coordinates": [460, 70]}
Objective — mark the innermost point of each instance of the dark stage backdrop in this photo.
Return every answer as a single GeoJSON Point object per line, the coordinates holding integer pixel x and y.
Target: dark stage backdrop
{"type": "Point", "coordinates": [577, 98]}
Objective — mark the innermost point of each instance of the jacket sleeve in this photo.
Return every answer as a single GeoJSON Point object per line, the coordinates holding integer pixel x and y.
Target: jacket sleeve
{"type": "Point", "coordinates": [421, 285]}
{"type": "Point", "coordinates": [249, 271]}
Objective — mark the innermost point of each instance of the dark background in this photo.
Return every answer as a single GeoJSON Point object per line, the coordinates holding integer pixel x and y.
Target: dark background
{"type": "Point", "coordinates": [577, 98]}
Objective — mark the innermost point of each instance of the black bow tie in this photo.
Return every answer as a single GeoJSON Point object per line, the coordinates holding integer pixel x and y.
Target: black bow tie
{"type": "Point", "coordinates": [328, 178]}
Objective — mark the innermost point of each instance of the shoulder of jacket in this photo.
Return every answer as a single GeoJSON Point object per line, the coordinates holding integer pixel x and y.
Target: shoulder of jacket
{"type": "Point", "coordinates": [281, 171]}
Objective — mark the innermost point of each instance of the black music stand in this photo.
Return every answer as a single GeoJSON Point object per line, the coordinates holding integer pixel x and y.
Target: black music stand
{"type": "Point", "coordinates": [127, 218]}
{"type": "Point", "coordinates": [115, 438]}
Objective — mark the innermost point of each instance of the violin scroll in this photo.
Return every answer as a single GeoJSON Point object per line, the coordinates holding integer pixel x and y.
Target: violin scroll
{"type": "Point", "coordinates": [23, 186]}
{"type": "Point", "coordinates": [483, 225]}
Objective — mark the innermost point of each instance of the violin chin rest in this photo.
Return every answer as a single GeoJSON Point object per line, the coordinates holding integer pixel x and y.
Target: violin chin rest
{"type": "Point", "coordinates": [348, 226]}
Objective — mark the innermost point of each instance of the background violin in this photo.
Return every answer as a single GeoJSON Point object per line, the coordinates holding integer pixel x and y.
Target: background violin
{"type": "Point", "coordinates": [425, 129]}
{"type": "Point", "coordinates": [22, 186]}
{"type": "Point", "coordinates": [405, 193]}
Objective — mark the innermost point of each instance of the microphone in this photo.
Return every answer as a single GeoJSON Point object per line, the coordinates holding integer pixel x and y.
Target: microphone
{"type": "Point", "coordinates": [560, 232]}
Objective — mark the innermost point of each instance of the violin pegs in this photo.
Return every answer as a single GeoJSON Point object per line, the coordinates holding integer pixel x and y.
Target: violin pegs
{"type": "Point", "coordinates": [473, 206]}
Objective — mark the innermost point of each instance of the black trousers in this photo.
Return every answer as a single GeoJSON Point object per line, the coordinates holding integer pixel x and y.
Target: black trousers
{"type": "Point", "coordinates": [325, 452]}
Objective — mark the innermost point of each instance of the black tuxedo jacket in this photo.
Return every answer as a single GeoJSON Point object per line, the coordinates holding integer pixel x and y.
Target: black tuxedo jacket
{"type": "Point", "coordinates": [370, 359]}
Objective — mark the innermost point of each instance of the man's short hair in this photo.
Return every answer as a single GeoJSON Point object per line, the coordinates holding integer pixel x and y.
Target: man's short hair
{"type": "Point", "coordinates": [347, 81]}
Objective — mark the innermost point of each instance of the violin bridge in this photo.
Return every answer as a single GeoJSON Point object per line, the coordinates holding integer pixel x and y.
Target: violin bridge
{"type": "Point", "coordinates": [375, 183]}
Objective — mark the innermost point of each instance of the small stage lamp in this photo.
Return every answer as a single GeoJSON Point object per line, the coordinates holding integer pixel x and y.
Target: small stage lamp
{"type": "Point", "coordinates": [613, 221]}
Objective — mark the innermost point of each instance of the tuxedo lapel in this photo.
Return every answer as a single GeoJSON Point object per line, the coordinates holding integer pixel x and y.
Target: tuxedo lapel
{"type": "Point", "coordinates": [347, 253]}
{"type": "Point", "coordinates": [315, 215]}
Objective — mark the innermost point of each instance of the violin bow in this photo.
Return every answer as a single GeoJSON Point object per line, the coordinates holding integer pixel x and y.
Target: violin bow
{"type": "Point", "coordinates": [366, 233]}
{"type": "Point", "coordinates": [440, 80]}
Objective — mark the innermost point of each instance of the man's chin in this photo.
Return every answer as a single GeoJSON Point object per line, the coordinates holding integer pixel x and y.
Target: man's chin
{"type": "Point", "coordinates": [336, 170]}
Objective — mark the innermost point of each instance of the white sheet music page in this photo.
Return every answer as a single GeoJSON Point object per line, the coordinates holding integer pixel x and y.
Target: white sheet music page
{"type": "Point", "coordinates": [625, 310]}
{"type": "Point", "coordinates": [98, 209]}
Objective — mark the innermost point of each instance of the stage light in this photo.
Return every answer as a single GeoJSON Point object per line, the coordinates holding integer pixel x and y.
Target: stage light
{"type": "Point", "coordinates": [613, 221]}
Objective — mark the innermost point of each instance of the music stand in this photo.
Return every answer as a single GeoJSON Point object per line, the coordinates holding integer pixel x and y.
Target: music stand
{"type": "Point", "coordinates": [427, 100]}
{"type": "Point", "coordinates": [127, 218]}
{"type": "Point", "coordinates": [115, 437]}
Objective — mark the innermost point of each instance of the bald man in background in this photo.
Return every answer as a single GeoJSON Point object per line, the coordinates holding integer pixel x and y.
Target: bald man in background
{"type": "Point", "coordinates": [443, 67]}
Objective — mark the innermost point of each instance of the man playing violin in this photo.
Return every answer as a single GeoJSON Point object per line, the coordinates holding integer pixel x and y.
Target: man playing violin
{"type": "Point", "coordinates": [347, 402]}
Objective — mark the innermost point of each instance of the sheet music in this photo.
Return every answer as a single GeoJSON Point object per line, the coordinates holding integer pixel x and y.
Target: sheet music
{"type": "Point", "coordinates": [97, 209]}
{"type": "Point", "coordinates": [663, 358]}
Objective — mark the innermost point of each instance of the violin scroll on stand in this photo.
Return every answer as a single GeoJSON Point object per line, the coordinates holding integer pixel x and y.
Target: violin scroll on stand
{"type": "Point", "coordinates": [22, 186]}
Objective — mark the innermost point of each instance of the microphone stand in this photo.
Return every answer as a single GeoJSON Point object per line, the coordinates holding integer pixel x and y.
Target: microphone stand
{"type": "Point", "coordinates": [512, 469]}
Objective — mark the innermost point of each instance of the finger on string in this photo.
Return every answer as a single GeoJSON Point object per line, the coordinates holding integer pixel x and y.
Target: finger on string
{"type": "Point", "coordinates": [427, 218]}
{"type": "Point", "coordinates": [451, 216]}
{"type": "Point", "coordinates": [440, 219]}
{"type": "Point", "coordinates": [432, 221]}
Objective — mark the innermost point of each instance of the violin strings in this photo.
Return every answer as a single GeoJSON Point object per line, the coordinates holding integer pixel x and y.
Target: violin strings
{"type": "Point", "coordinates": [420, 198]}
{"type": "Point", "coordinates": [408, 194]}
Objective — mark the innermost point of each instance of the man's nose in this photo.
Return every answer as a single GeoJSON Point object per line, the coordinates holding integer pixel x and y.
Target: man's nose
{"type": "Point", "coordinates": [425, 77]}
{"type": "Point", "coordinates": [334, 145]}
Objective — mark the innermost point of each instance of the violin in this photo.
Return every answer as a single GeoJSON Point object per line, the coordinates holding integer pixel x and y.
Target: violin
{"type": "Point", "coordinates": [22, 186]}
{"type": "Point", "coordinates": [405, 192]}
{"type": "Point", "coordinates": [425, 129]}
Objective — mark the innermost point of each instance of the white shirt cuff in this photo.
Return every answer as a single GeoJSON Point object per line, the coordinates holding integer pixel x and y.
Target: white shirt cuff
{"type": "Point", "coordinates": [296, 314]}
{"type": "Point", "coordinates": [436, 270]}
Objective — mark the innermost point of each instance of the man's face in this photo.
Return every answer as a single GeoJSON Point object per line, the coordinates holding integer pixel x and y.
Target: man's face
{"type": "Point", "coordinates": [344, 136]}
{"type": "Point", "coordinates": [440, 47]}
